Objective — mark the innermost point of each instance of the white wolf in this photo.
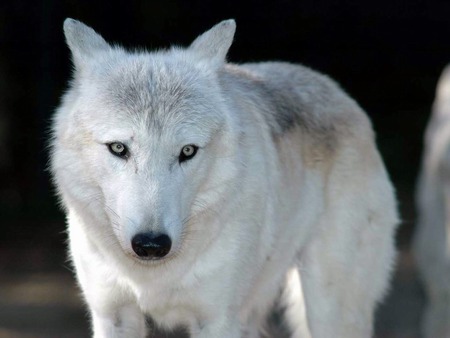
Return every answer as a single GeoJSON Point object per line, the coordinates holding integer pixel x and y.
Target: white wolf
{"type": "Point", "coordinates": [202, 193]}
{"type": "Point", "coordinates": [432, 238]}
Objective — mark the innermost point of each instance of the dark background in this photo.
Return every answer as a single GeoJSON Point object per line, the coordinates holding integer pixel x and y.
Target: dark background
{"type": "Point", "coordinates": [388, 55]}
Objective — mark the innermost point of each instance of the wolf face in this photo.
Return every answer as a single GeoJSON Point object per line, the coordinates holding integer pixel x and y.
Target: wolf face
{"type": "Point", "coordinates": [146, 131]}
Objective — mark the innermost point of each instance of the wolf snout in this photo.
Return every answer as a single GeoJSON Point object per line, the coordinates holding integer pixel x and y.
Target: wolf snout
{"type": "Point", "coordinates": [151, 246]}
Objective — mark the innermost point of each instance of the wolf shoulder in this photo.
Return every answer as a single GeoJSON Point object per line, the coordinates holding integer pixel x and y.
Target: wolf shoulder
{"type": "Point", "coordinates": [292, 96]}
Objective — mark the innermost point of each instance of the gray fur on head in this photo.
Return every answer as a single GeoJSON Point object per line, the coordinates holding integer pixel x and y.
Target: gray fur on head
{"type": "Point", "coordinates": [214, 44]}
{"type": "Point", "coordinates": [83, 41]}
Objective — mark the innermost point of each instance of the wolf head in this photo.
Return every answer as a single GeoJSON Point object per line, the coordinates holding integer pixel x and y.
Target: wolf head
{"type": "Point", "coordinates": [143, 141]}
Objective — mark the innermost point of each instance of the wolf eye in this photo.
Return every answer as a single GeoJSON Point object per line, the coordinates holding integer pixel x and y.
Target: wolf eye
{"type": "Point", "coordinates": [187, 152]}
{"type": "Point", "coordinates": [118, 149]}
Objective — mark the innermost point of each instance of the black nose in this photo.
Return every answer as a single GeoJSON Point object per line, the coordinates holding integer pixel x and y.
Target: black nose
{"type": "Point", "coordinates": [148, 245]}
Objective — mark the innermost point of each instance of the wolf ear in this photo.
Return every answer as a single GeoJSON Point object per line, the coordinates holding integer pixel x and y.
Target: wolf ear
{"type": "Point", "coordinates": [83, 41]}
{"type": "Point", "coordinates": [214, 44]}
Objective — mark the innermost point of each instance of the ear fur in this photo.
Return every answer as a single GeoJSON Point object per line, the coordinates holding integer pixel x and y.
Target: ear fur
{"type": "Point", "coordinates": [83, 41]}
{"type": "Point", "coordinates": [214, 44]}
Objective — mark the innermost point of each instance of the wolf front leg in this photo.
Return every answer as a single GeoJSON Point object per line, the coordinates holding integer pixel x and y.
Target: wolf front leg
{"type": "Point", "coordinates": [344, 276]}
{"type": "Point", "coordinates": [221, 327]}
{"type": "Point", "coordinates": [125, 321]}
{"type": "Point", "coordinates": [114, 313]}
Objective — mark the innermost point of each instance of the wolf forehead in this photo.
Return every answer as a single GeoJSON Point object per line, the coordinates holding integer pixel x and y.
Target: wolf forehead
{"type": "Point", "coordinates": [153, 86]}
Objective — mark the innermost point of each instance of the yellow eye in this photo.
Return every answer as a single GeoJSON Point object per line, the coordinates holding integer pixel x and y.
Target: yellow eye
{"type": "Point", "coordinates": [187, 152]}
{"type": "Point", "coordinates": [118, 149]}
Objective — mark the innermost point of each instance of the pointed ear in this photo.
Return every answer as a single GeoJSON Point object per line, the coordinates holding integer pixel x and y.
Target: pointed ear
{"type": "Point", "coordinates": [214, 44]}
{"type": "Point", "coordinates": [83, 41]}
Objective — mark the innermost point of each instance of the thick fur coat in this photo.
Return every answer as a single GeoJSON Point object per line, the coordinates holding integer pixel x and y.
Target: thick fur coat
{"type": "Point", "coordinates": [285, 202]}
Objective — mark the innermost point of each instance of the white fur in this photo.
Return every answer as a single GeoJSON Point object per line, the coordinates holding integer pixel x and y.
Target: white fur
{"type": "Point", "coordinates": [432, 238]}
{"type": "Point", "coordinates": [287, 200]}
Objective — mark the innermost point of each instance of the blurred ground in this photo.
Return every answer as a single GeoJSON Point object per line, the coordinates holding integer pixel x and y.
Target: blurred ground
{"type": "Point", "coordinates": [41, 300]}
{"type": "Point", "coordinates": [41, 305]}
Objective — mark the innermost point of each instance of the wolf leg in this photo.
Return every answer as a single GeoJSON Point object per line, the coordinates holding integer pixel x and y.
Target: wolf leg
{"type": "Point", "coordinates": [127, 321]}
{"type": "Point", "coordinates": [113, 315]}
{"type": "Point", "coordinates": [113, 311]}
{"type": "Point", "coordinates": [344, 275]}
{"type": "Point", "coordinates": [225, 327]}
